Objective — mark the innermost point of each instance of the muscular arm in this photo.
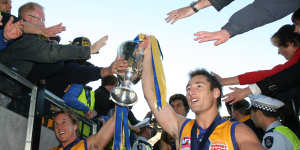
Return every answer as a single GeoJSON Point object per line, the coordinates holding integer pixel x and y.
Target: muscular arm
{"type": "Point", "coordinates": [259, 13]}
{"type": "Point", "coordinates": [246, 138]}
{"type": "Point", "coordinates": [103, 136]}
{"type": "Point", "coordinates": [166, 117]}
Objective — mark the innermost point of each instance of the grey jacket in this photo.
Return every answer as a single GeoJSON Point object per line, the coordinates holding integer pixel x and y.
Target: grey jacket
{"type": "Point", "coordinates": [259, 13]}
{"type": "Point", "coordinates": [219, 4]}
{"type": "Point", "coordinates": [23, 53]}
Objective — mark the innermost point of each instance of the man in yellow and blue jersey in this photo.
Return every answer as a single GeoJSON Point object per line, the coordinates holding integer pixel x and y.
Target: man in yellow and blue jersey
{"type": "Point", "coordinates": [66, 131]}
{"type": "Point", "coordinates": [207, 130]}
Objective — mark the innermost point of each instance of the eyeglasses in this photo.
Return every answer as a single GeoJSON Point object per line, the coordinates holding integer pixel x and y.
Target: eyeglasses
{"type": "Point", "coordinates": [42, 20]}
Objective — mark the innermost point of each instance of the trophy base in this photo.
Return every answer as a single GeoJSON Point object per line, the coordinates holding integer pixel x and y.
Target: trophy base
{"type": "Point", "coordinates": [123, 96]}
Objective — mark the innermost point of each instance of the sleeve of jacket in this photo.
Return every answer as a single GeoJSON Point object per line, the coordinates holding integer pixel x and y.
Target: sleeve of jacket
{"type": "Point", "coordinates": [76, 73]}
{"type": "Point", "coordinates": [219, 4]}
{"type": "Point", "coordinates": [281, 81]}
{"type": "Point", "coordinates": [71, 98]}
{"type": "Point", "coordinates": [259, 13]}
{"type": "Point", "coordinates": [253, 77]}
{"type": "Point", "coordinates": [31, 48]}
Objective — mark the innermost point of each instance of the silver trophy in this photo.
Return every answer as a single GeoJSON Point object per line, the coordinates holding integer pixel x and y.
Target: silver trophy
{"type": "Point", "coordinates": [123, 94]}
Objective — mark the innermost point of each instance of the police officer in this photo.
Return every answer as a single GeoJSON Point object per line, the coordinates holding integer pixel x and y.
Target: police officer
{"type": "Point", "coordinates": [144, 134]}
{"type": "Point", "coordinates": [264, 113]}
{"type": "Point", "coordinates": [80, 96]}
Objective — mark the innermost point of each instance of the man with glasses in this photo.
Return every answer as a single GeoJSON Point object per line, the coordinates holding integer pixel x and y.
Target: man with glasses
{"type": "Point", "coordinates": [31, 49]}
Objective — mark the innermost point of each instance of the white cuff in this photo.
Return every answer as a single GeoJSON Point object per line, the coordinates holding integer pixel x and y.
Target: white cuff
{"type": "Point", "coordinates": [255, 90]}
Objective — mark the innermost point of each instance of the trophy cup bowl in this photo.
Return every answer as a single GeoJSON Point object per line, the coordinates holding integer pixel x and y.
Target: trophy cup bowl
{"type": "Point", "coordinates": [123, 94]}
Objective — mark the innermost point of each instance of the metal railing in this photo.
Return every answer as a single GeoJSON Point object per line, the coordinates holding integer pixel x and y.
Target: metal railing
{"type": "Point", "coordinates": [38, 95]}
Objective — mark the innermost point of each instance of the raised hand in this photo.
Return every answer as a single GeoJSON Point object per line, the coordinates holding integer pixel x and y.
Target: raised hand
{"type": "Point", "coordinates": [218, 36]}
{"type": "Point", "coordinates": [53, 30]}
{"type": "Point", "coordinates": [236, 95]}
{"type": "Point", "coordinates": [146, 43]}
{"type": "Point", "coordinates": [97, 45]}
{"type": "Point", "coordinates": [91, 114]}
{"type": "Point", "coordinates": [13, 30]}
{"type": "Point", "coordinates": [177, 14]}
{"type": "Point", "coordinates": [185, 12]}
{"type": "Point", "coordinates": [218, 77]}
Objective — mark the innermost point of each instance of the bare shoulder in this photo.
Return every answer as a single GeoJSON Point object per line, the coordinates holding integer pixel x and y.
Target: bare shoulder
{"type": "Point", "coordinates": [242, 130]}
{"type": "Point", "coordinates": [169, 120]}
{"type": "Point", "coordinates": [246, 138]}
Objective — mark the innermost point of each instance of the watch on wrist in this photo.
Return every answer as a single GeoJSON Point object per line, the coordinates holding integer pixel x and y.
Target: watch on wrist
{"type": "Point", "coordinates": [193, 6]}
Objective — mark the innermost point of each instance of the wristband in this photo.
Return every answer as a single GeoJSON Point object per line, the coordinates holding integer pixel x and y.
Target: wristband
{"type": "Point", "coordinates": [193, 7]}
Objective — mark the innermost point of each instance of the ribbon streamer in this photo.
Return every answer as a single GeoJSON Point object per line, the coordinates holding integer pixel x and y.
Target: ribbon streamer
{"type": "Point", "coordinates": [121, 129]}
{"type": "Point", "coordinates": [158, 72]}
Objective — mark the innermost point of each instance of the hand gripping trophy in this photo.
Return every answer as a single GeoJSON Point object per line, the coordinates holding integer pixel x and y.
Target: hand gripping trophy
{"type": "Point", "coordinates": [133, 53]}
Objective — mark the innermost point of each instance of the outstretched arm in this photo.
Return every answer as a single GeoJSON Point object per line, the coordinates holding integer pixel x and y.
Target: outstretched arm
{"type": "Point", "coordinates": [252, 16]}
{"type": "Point", "coordinates": [187, 11]}
{"type": "Point", "coordinates": [258, 14]}
{"type": "Point", "coordinates": [103, 136]}
{"type": "Point", "coordinates": [227, 81]}
{"type": "Point", "coordinates": [118, 65]}
{"type": "Point", "coordinates": [47, 32]}
{"type": "Point", "coordinates": [166, 117]}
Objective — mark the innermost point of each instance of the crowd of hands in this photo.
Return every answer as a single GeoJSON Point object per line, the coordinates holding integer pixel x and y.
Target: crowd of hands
{"type": "Point", "coordinates": [13, 30]}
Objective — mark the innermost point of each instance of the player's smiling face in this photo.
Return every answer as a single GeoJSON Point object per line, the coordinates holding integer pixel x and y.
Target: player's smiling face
{"type": "Point", "coordinates": [199, 94]}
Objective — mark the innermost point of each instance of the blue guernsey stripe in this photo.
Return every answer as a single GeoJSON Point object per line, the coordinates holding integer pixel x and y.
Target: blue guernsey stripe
{"type": "Point", "coordinates": [184, 123]}
{"type": "Point", "coordinates": [232, 131]}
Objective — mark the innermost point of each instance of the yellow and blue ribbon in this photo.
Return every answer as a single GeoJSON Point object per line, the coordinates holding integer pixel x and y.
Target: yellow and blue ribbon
{"type": "Point", "coordinates": [121, 129]}
{"type": "Point", "coordinates": [121, 124]}
{"type": "Point", "coordinates": [158, 72]}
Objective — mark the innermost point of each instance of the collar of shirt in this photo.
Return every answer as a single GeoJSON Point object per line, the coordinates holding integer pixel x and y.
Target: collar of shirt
{"type": "Point", "coordinates": [273, 125]}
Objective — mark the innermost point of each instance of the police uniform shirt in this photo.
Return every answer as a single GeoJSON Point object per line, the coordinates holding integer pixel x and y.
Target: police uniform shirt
{"type": "Point", "coordinates": [140, 144]}
{"type": "Point", "coordinates": [274, 140]}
